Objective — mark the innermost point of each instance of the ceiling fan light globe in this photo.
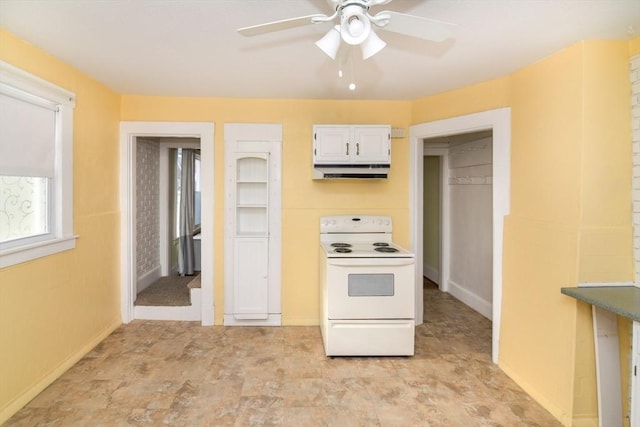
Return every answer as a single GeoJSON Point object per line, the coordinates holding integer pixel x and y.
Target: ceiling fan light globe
{"type": "Point", "coordinates": [354, 25]}
{"type": "Point", "coordinates": [330, 42]}
{"type": "Point", "coordinates": [372, 45]}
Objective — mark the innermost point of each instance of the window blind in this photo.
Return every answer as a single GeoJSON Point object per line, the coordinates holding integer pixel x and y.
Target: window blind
{"type": "Point", "coordinates": [27, 135]}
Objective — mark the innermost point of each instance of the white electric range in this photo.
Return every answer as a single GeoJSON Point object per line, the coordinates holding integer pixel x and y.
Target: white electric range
{"type": "Point", "coordinates": [367, 286]}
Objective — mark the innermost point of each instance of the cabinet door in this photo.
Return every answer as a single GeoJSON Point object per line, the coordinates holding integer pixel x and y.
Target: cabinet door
{"type": "Point", "coordinates": [332, 144]}
{"type": "Point", "coordinates": [251, 271]}
{"type": "Point", "coordinates": [372, 144]}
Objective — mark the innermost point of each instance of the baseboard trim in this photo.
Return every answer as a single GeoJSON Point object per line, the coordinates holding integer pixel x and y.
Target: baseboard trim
{"type": "Point", "coordinates": [472, 300]}
{"type": "Point", "coordinates": [271, 320]}
{"type": "Point", "coordinates": [147, 279]}
{"type": "Point", "coordinates": [563, 416]}
{"type": "Point", "coordinates": [300, 321]}
{"type": "Point", "coordinates": [38, 387]}
{"type": "Point", "coordinates": [431, 273]}
{"type": "Point", "coordinates": [585, 421]}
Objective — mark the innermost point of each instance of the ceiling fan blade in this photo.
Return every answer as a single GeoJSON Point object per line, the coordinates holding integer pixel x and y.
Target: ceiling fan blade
{"type": "Point", "coordinates": [417, 26]}
{"type": "Point", "coordinates": [284, 24]}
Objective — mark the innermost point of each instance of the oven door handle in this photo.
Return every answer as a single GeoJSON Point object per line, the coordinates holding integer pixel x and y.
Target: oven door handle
{"type": "Point", "coordinates": [372, 262]}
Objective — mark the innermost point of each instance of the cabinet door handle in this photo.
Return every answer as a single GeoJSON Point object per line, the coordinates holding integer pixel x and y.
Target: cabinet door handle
{"type": "Point", "coordinates": [357, 148]}
{"type": "Point", "coordinates": [347, 148]}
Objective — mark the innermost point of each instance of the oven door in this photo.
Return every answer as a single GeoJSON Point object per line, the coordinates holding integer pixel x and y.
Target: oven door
{"type": "Point", "coordinates": [370, 288]}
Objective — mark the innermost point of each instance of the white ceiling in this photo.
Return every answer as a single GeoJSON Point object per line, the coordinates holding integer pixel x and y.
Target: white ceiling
{"type": "Point", "coordinates": [191, 47]}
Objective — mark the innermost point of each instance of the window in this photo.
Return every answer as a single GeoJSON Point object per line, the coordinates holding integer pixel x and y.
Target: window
{"type": "Point", "coordinates": [36, 167]}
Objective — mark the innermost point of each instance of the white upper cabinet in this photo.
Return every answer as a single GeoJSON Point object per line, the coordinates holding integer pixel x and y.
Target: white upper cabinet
{"type": "Point", "coordinates": [351, 144]}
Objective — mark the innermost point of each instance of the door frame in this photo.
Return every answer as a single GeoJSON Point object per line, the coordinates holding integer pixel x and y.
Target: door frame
{"type": "Point", "coordinates": [129, 131]}
{"type": "Point", "coordinates": [499, 121]}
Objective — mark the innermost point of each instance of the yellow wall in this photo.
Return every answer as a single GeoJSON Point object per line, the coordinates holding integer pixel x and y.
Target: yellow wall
{"type": "Point", "coordinates": [483, 96]}
{"type": "Point", "coordinates": [55, 309]}
{"type": "Point", "coordinates": [605, 241]}
{"type": "Point", "coordinates": [571, 195]}
{"type": "Point", "coordinates": [303, 200]}
{"type": "Point", "coordinates": [634, 47]}
{"type": "Point", "coordinates": [570, 211]}
{"type": "Point", "coordinates": [542, 231]}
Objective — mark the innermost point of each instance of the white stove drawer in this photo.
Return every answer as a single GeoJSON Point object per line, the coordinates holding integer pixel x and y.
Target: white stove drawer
{"type": "Point", "coordinates": [369, 338]}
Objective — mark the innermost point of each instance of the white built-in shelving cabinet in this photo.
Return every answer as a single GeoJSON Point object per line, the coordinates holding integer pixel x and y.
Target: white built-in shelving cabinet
{"type": "Point", "coordinates": [252, 217]}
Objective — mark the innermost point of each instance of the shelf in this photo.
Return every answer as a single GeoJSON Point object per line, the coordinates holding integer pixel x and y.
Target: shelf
{"type": "Point", "coordinates": [251, 220]}
{"type": "Point", "coordinates": [251, 169]}
{"type": "Point", "coordinates": [251, 193]}
{"type": "Point", "coordinates": [252, 234]}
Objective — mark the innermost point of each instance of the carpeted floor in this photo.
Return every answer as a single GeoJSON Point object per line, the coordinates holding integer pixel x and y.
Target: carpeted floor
{"type": "Point", "coordinates": [168, 291]}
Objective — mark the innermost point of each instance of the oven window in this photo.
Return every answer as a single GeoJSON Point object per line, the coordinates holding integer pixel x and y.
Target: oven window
{"type": "Point", "coordinates": [370, 285]}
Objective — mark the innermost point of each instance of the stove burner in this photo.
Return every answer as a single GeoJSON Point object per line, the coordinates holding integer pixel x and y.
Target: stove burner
{"type": "Point", "coordinates": [342, 250]}
{"type": "Point", "coordinates": [341, 245]}
{"type": "Point", "coordinates": [380, 244]}
{"type": "Point", "coordinates": [385, 249]}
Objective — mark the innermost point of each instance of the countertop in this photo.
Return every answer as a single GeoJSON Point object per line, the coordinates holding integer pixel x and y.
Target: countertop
{"type": "Point", "coordinates": [622, 300]}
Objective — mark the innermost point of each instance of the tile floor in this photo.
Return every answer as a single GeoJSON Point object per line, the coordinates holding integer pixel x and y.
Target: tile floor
{"type": "Point", "coordinates": [180, 374]}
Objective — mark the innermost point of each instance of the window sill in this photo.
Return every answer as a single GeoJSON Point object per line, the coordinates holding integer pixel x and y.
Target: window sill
{"type": "Point", "coordinates": [26, 253]}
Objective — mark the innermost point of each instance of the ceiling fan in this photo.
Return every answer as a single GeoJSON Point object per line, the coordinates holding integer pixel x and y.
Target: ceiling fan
{"type": "Point", "coordinates": [354, 25]}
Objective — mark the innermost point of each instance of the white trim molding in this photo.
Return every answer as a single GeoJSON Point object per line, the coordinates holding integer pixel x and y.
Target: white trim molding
{"type": "Point", "coordinates": [129, 131]}
{"type": "Point", "coordinates": [499, 121]}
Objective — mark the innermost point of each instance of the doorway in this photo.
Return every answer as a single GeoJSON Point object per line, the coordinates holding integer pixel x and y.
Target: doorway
{"type": "Point", "coordinates": [168, 224]}
{"type": "Point", "coordinates": [457, 176]}
{"type": "Point", "coordinates": [499, 122]}
{"type": "Point", "coordinates": [130, 132]}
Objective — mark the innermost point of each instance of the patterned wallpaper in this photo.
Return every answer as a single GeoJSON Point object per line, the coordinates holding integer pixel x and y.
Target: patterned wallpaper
{"type": "Point", "coordinates": [147, 204]}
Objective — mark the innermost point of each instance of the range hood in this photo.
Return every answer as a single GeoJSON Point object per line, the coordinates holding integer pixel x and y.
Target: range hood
{"type": "Point", "coordinates": [351, 171]}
